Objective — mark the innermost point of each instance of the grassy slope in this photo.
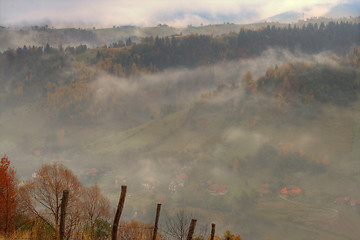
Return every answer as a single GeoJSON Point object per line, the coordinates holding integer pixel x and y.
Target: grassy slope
{"type": "Point", "coordinates": [211, 137]}
{"type": "Point", "coordinates": [139, 138]}
{"type": "Point", "coordinates": [336, 131]}
{"type": "Point", "coordinates": [333, 134]}
{"type": "Point", "coordinates": [356, 131]}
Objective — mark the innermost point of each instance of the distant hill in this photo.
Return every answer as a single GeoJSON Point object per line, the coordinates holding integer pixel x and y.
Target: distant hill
{"type": "Point", "coordinates": [286, 17]}
{"type": "Point", "coordinates": [40, 36]}
{"type": "Point", "coordinates": [344, 10]}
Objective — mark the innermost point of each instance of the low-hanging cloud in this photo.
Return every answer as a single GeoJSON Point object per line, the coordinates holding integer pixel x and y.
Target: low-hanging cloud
{"type": "Point", "coordinates": [222, 73]}
{"type": "Point", "coordinates": [140, 12]}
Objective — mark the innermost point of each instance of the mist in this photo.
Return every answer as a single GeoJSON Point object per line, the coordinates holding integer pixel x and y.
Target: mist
{"type": "Point", "coordinates": [196, 139]}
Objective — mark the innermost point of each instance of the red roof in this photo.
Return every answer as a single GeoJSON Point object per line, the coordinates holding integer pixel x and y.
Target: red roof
{"type": "Point", "coordinates": [182, 176]}
{"type": "Point", "coordinates": [264, 189]}
{"type": "Point", "coordinates": [342, 200]}
{"type": "Point", "coordinates": [218, 189]}
{"type": "Point", "coordinates": [149, 180]}
{"type": "Point", "coordinates": [293, 190]}
{"type": "Point", "coordinates": [354, 202]}
{"type": "Point", "coordinates": [37, 152]}
{"type": "Point", "coordinates": [93, 171]}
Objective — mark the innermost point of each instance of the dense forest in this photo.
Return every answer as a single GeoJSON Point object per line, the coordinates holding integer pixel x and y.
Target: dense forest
{"type": "Point", "coordinates": [62, 76]}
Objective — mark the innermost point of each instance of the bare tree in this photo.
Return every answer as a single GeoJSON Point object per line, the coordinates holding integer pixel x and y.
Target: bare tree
{"type": "Point", "coordinates": [202, 231]}
{"type": "Point", "coordinates": [41, 196]}
{"type": "Point", "coordinates": [95, 207]}
{"type": "Point", "coordinates": [177, 227]}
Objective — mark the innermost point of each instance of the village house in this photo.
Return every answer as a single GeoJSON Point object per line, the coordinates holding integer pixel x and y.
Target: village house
{"type": "Point", "coordinates": [342, 200]}
{"type": "Point", "coordinates": [347, 201]}
{"type": "Point", "coordinates": [216, 189]}
{"type": "Point", "coordinates": [148, 183]}
{"type": "Point", "coordinates": [291, 190]}
{"type": "Point", "coordinates": [354, 202]}
{"type": "Point", "coordinates": [181, 178]}
{"type": "Point", "coordinates": [173, 187]}
{"type": "Point", "coordinates": [178, 182]}
{"type": "Point", "coordinates": [37, 152]}
{"type": "Point", "coordinates": [92, 171]}
{"type": "Point", "coordinates": [264, 190]}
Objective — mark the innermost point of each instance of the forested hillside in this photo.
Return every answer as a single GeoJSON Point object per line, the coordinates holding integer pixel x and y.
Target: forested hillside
{"type": "Point", "coordinates": [257, 130]}
{"type": "Point", "coordinates": [61, 77]}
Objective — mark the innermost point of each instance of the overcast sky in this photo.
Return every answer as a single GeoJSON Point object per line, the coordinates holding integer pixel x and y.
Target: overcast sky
{"type": "Point", "coordinates": [106, 13]}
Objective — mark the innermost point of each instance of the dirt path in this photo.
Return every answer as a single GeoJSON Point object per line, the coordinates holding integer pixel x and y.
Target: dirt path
{"type": "Point", "coordinates": [329, 213]}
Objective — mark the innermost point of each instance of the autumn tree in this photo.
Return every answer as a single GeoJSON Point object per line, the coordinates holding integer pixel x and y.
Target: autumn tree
{"type": "Point", "coordinates": [7, 196]}
{"type": "Point", "coordinates": [41, 196]}
{"type": "Point", "coordinates": [135, 230]}
{"type": "Point", "coordinates": [230, 236]}
{"type": "Point", "coordinates": [248, 83]}
{"type": "Point", "coordinates": [95, 208]}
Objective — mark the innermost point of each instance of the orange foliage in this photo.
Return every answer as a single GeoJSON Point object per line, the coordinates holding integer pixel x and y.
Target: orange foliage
{"type": "Point", "coordinates": [136, 230]}
{"type": "Point", "coordinates": [325, 161]}
{"type": "Point", "coordinates": [286, 148]}
{"type": "Point", "coordinates": [229, 236]}
{"type": "Point", "coordinates": [7, 196]}
{"type": "Point", "coordinates": [45, 192]}
{"type": "Point", "coordinates": [94, 207]}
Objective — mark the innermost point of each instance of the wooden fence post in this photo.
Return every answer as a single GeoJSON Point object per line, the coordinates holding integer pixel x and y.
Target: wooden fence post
{"type": "Point", "coordinates": [156, 220]}
{"type": "Point", "coordinates": [64, 201]}
{"type": "Point", "coordinates": [118, 213]}
{"type": "Point", "coordinates": [212, 231]}
{"type": "Point", "coordinates": [191, 229]}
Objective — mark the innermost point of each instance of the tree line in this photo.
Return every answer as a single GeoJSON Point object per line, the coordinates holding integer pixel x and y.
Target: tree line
{"type": "Point", "coordinates": [154, 53]}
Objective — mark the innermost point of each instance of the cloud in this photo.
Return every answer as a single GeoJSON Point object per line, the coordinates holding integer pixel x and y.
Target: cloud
{"type": "Point", "coordinates": [205, 16]}
{"type": "Point", "coordinates": [240, 134]}
{"type": "Point", "coordinates": [222, 73]}
{"type": "Point", "coordinates": [349, 8]}
{"type": "Point", "coordinates": [144, 12]}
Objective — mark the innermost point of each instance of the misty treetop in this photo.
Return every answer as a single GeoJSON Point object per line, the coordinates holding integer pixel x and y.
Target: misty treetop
{"type": "Point", "coordinates": [194, 50]}
{"type": "Point", "coordinates": [158, 53]}
{"type": "Point", "coordinates": [67, 84]}
{"type": "Point", "coordinates": [321, 82]}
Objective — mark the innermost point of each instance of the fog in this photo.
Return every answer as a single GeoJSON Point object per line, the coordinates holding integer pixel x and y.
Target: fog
{"type": "Point", "coordinates": [154, 127]}
{"type": "Point", "coordinates": [225, 72]}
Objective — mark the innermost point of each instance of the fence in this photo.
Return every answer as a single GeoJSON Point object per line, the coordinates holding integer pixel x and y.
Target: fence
{"type": "Point", "coordinates": [128, 230]}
